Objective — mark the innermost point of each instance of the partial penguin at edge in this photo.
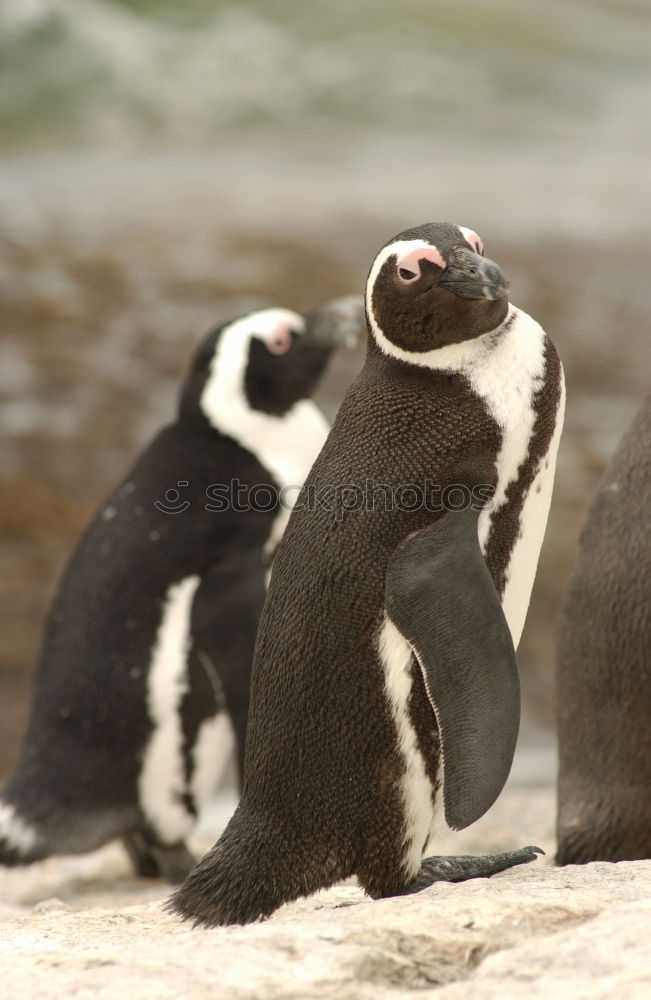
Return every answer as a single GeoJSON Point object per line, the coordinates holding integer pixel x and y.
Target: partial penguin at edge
{"type": "Point", "coordinates": [603, 668]}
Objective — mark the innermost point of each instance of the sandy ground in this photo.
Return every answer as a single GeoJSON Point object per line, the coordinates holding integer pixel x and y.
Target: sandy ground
{"type": "Point", "coordinates": [84, 926]}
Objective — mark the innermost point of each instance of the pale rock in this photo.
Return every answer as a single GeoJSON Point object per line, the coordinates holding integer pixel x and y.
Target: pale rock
{"type": "Point", "coordinates": [533, 933]}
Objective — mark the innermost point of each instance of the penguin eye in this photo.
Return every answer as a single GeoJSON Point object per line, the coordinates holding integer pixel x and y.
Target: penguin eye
{"type": "Point", "coordinates": [406, 275]}
{"type": "Point", "coordinates": [281, 341]}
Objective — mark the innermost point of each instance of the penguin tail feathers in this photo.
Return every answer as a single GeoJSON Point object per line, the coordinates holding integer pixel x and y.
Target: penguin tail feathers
{"type": "Point", "coordinates": [247, 875]}
{"type": "Point", "coordinates": [20, 843]}
{"type": "Point", "coordinates": [232, 884]}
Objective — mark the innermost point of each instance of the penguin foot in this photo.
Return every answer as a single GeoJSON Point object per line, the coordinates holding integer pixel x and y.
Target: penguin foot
{"type": "Point", "coordinates": [463, 867]}
{"type": "Point", "coordinates": [153, 860]}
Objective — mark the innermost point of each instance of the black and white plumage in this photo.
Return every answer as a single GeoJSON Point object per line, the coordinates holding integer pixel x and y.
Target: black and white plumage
{"type": "Point", "coordinates": [144, 672]}
{"type": "Point", "coordinates": [385, 693]}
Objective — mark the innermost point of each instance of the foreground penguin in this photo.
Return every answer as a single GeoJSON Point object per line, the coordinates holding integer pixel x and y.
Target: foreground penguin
{"type": "Point", "coordinates": [146, 657]}
{"type": "Point", "coordinates": [603, 705]}
{"type": "Point", "coordinates": [385, 692]}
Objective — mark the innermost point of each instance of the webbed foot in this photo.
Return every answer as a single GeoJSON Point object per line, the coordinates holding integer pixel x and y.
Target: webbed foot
{"type": "Point", "coordinates": [153, 860]}
{"type": "Point", "coordinates": [463, 867]}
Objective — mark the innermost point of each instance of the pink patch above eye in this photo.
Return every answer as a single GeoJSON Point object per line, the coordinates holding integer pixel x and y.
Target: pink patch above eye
{"type": "Point", "coordinates": [471, 237]}
{"type": "Point", "coordinates": [408, 266]}
{"type": "Point", "coordinates": [280, 341]}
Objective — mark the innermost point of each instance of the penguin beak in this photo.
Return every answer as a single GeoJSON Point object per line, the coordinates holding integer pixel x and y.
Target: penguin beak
{"type": "Point", "coordinates": [340, 323]}
{"type": "Point", "coordinates": [471, 276]}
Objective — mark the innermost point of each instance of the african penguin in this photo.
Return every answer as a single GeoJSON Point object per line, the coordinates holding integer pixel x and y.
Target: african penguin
{"type": "Point", "coordinates": [385, 689]}
{"type": "Point", "coordinates": [144, 669]}
{"type": "Point", "coordinates": [603, 682]}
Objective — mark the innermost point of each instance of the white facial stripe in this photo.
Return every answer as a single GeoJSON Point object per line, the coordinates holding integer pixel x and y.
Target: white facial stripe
{"type": "Point", "coordinates": [285, 445]}
{"type": "Point", "coordinates": [408, 250]}
{"type": "Point", "coordinates": [471, 237]}
{"type": "Point", "coordinates": [232, 350]}
{"type": "Point", "coordinates": [224, 389]}
{"type": "Point", "coordinates": [410, 262]}
{"type": "Point", "coordinates": [272, 326]}
{"type": "Point", "coordinates": [453, 357]}
{"type": "Point", "coordinates": [402, 250]}
{"type": "Point", "coordinates": [162, 779]}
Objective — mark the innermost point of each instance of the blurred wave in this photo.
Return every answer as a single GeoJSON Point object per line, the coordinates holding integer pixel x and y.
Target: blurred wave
{"type": "Point", "coordinates": [138, 71]}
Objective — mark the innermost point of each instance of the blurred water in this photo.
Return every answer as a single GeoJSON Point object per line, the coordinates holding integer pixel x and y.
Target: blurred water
{"type": "Point", "coordinates": [515, 114]}
{"type": "Point", "coordinates": [198, 73]}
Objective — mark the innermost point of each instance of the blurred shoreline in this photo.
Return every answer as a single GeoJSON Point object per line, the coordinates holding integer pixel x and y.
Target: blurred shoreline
{"type": "Point", "coordinates": [329, 185]}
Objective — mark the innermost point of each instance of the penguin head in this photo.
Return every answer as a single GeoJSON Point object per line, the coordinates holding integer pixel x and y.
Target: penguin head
{"type": "Point", "coordinates": [432, 286]}
{"type": "Point", "coordinates": [265, 361]}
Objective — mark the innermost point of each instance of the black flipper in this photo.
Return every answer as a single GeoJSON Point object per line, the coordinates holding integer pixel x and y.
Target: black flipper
{"type": "Point", "coordinates": [441, 597]}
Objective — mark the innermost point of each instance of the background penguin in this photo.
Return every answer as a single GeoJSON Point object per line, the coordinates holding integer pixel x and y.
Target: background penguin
{"type": "Point", "coordinates": [603, 703]}
{"type": "Point", "coordinates": [146, 656]}
{"type": "Point", "coordinates": [385, 688]}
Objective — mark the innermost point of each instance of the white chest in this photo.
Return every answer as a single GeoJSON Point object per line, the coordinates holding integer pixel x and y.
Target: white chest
{"type": "Point", "coordinates": [508, 379]}
{"type": "Point", "coordinates": [287, 446]}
